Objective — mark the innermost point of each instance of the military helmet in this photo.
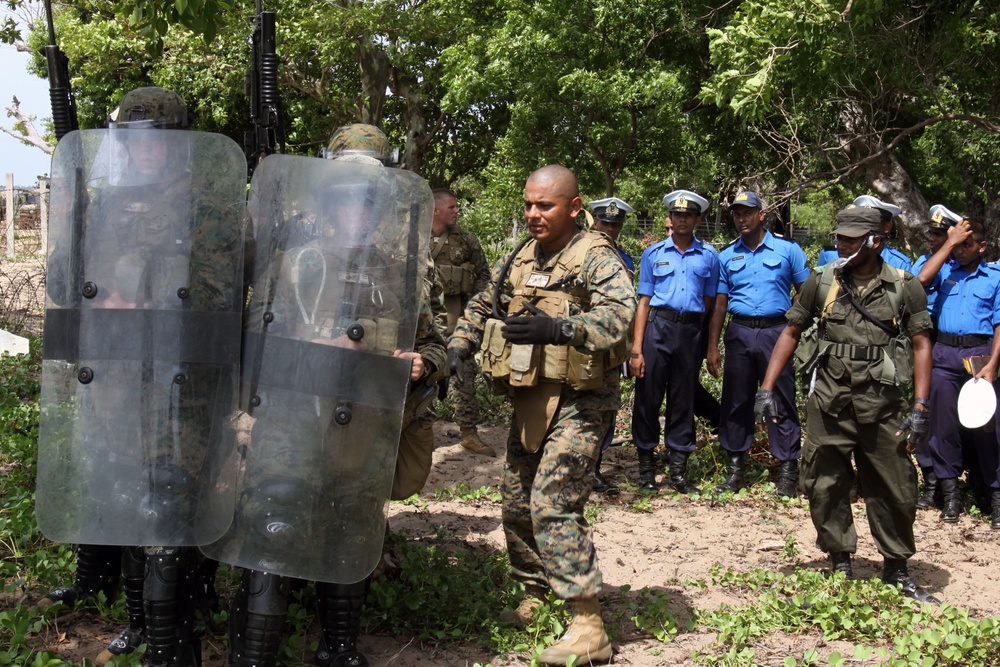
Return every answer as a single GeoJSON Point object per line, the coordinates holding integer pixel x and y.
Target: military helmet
{"type": "Point", "coordinates": [362, 140]}
{"type": "Point", "coordinates": [150, 107]}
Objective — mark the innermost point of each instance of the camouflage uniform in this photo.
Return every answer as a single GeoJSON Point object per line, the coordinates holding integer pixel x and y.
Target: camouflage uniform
{"type": "Point", "coordinates": [460, 249]}
{"type": "Point", "coordinates": [544, 493]}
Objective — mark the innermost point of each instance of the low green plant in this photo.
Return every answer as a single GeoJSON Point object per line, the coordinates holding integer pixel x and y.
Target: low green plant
{"type": "Point", "coordinates": [462, 492]}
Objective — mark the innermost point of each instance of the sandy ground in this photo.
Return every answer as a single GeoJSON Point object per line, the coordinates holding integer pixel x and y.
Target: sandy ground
{"type": "Point", "coordinates": [670, 547]}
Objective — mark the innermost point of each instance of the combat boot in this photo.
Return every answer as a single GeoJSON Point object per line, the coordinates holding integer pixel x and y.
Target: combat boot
{"type": "Point", "coordinates": [995, 514]}
{"type": "Point", "coordinates": [133, 567]}
{"type": "Point", "coordinates": [952, 500]}
{"type": "Point", "coordinates": [929, 492]}
{"type": "Point", "coordinates": [841, 561]}
{"type": "Point", "coordinates": [736, 468]}
{"type": "Point", "coordinates": [600, 483]}
{"type": "Point", "coordinates": [340, 607]}
{"type": "Point", "coordinates": [585, 637]}
{"type": "Point", "coordinates": [788, 479]}
{"type": "Point", "coordinates": [647, 469]}
{"type": "Point", "coordinates": [678, 473]}
{"type": "Point", "coordinates": [525, 612]}
{"type": "Point", "coordinates": [472, 442]}
{"type": "Point", "coordinates": [894, 572]}
{"type": "Point", "coordinates": [97, 571]}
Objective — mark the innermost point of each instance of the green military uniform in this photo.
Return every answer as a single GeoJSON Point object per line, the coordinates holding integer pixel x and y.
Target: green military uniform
{"type": "Point", "coordinates": [546, 479]}
{"type": "Point", "coordinates": [463, 272]}
{"type": "Point", "coordinates": [854, 410]}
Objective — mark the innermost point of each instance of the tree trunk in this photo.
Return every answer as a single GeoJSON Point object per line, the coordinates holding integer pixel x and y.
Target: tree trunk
{"type": "Point", "coordinates": [892, 183]}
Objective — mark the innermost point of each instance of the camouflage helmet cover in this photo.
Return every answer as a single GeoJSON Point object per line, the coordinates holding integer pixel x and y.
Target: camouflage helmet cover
{"type": "Point", "coordinates": [150, 107]}
{"type": "Point", "coordinates": [359, 139]}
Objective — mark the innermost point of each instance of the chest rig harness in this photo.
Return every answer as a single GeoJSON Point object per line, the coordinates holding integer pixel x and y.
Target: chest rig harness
{"type": "Point", "coordinates": [896, 356]}
{"type": "Point", "coordinates": [560, 292]}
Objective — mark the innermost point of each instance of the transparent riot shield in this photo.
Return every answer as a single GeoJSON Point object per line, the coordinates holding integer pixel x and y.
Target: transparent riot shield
{"type": "Point", "coordinates": [140, 373]}
{"type": "Point", "coordinates": [336, 292]}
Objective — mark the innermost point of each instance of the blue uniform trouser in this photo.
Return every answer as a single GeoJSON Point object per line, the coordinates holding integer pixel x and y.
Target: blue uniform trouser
{"type": "Point", "coordinates": [748, 351]}
{"type": "Point", "coordinates": [672, 363]}
{"type": "Point", "coordinates": [947, 435]}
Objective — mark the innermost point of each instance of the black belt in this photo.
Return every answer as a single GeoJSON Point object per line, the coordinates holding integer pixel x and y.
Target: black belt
{"type": "Point", "coordinates": [676, 315]}
{"type": "Point", "coordinates": [758, 322]}
{"type": "Point", "coordinates": [854, 352]}
{"type": "Point", "coordinates": [968, 340]}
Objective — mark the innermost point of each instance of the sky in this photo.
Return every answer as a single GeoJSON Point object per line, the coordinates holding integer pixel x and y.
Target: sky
{"type": "Point", "coordinates": [25, 162]}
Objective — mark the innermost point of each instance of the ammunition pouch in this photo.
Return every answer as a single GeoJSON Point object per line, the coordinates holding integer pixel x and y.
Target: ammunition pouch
{"type": "Point", "coordinates": [457, 278]}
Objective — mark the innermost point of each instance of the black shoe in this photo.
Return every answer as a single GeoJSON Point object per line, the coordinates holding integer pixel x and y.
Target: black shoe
{"type": "Point", "coordinates": [995, 511]}
{"type": "Point", "coordinates": [952, 506]}
{"type": "Point", "coordinates": [647, 470]}
{"type": "Point", "coordinates": [127, 641]}
{"type": "Point", "coordinates": [601, 484]}
{"type": "Point", "coordinates": [788, 480]}
{"type": "Point", "coordinates": [895, 573]}
{"type": "Point", "coordinates": [678, 473]}
{"type": "Point", "coordinates": [736, 468]}
{"type": "Point", "coordinates": [841, 561]}
{"type": "Point", "coordinates": [929, 493]}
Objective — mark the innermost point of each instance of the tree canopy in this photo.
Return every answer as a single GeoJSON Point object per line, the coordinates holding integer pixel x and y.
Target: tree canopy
{"type": "Point", "coordinates": [894, 97]}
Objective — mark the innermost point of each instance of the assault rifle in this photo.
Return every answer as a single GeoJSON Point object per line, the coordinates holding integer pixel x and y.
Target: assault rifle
{"type": "Point", "coordinates": [63, 104]}
{"type": "Point", "coordinates": [266, 120]}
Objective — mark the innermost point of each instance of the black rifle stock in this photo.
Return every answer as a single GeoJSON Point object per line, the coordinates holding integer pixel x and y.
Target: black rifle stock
{"type": "Point", "coordinates": [61, 95]}
{"type": "Point", "coordinates": [267, 123]}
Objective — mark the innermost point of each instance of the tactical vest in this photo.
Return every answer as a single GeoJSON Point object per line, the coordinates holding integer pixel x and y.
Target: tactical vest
{"type": "Point", "coordinates": [457, 278]}
{"type": "Point", "coordinates": [813, 348]}
{"type": "Point", "coordinates": [554, 293]}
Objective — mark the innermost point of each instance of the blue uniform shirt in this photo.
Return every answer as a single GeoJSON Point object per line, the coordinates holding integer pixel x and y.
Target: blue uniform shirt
{"type": "Point", "coordinates": [968, 303]}
{"type": "Point", "coordinates": [930, 289]}
{"type": "Point", "coordinates": [679, 281]}
{"type": "Point", "coordinates": [627, 258]}
{"type": "Point", "coordinates": [891, 256]}
{"type": "Point", "coordinates": [759, 281]}
{"type": "Point", "coordinates": [826, 255]}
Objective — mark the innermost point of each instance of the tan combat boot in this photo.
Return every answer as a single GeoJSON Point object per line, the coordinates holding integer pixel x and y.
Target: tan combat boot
{"type": "Point", "coordinates": [585, 637]}
{"type": "Point", "coordinates": [471, 441]}
{"type": "Point", "coordinates": [525, 612]}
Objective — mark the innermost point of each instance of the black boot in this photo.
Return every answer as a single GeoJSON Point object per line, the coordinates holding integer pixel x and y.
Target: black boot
{"type": "Point", "coordinates": [894, 572]}
{"type": "Point", "coordinates": [170, 599]}
{"type": "Point", "coordinates": [97, 571]}
{"type": "Point", "coordinates": [340, 607]}
{"type": "Point", "coordinates": [678, 473]}
{"type": "Point", "coordinates": [841, 561]}
{"type": "Point", "coordinates": [736, 468]}
{"type": "Point", "coordinates": [952, 500]}
{"type": "Point", "coordinates": [995, 514]}
{"type": "Point", "coordinates": [133, 567]}
{"type": "Point", "coordinates": [601, 484]}
{"type": "Point", "coordinates": [257, 615]}
{"type": "Point", "coordinates": [788, 479]}
{"type": "Point", "coordinates": [647, 469]}
{"type": "Point", "coordinates": [927, 497]}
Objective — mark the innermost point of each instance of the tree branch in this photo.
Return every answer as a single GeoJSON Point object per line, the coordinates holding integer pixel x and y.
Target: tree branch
{"type": "Point", "coordinates": [28, 134]}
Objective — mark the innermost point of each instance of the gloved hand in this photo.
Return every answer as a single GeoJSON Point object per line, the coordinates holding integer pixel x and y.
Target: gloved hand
{"type": "Point", "coordinates": [456, 363]}
{"type": "Point", "coordinates": [536, 330]}
{"type": "Point", "coordinates": [917, 423]}
{"type": "Point", "coordinates": [765, 407]}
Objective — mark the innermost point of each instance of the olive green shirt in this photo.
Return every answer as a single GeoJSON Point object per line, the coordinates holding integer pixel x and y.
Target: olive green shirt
{"type": "Point", "coordinates": [841, 381]}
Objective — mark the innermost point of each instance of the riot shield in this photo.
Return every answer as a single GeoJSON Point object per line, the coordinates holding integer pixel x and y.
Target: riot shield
{"type": "Point", "coordinates": [336, 293]}
{"type": "Point", "coordinates": [140, 371]}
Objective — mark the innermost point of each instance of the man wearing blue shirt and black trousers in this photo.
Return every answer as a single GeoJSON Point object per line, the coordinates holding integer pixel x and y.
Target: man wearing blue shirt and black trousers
{"type": "Point", "coordinates": [677, 281]}
{"type": "Point", "coordinates": [756, 274]}
{"type": "Point", "coordinates": [968, 317]}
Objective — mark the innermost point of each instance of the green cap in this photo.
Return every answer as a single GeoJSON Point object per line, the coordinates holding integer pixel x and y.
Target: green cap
{"type": "Point", "coordinates": [855, 221]}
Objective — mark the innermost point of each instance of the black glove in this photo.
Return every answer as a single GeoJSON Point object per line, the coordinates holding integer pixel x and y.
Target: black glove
{"type": "Point", "coordinates": [456, 363]}
{"type": "Point", "coordinates": [538, 330]}
{"type": "Point", "coordinates": [765, 407]}
{"type": "Point", "coordinates": [917, 423]}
